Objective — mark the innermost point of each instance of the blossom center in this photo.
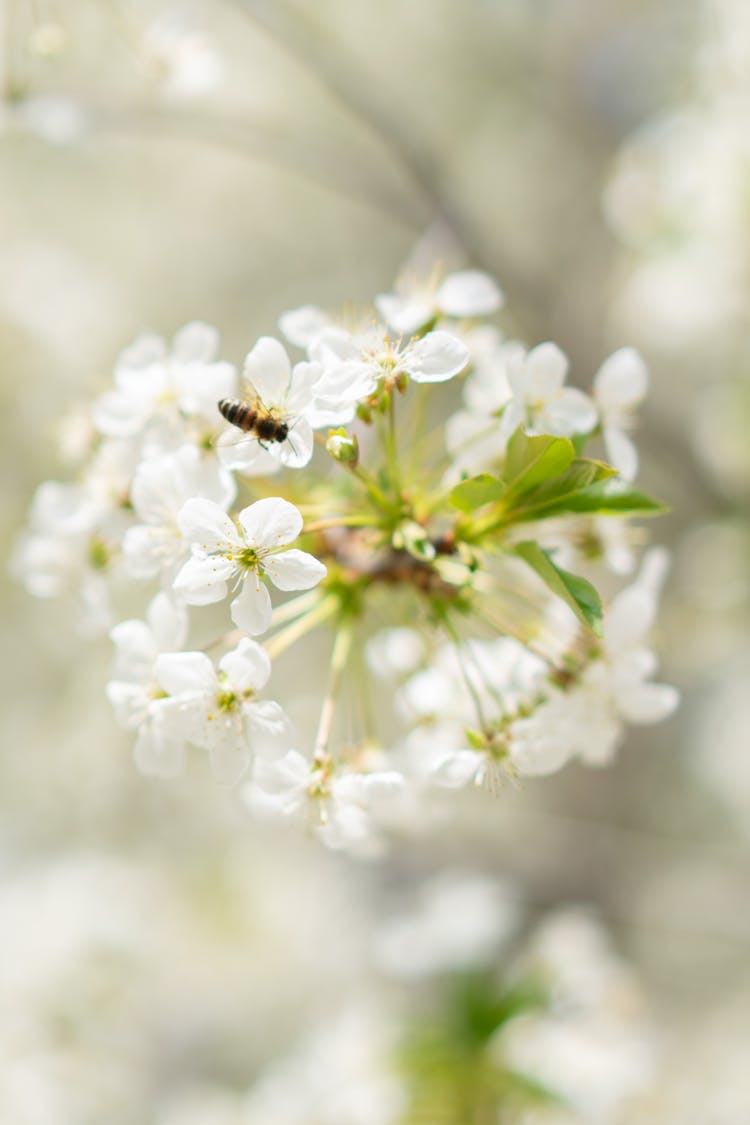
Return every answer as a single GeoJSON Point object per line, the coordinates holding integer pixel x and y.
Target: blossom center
{"type": "Point", "coordinates": [247, 558]}
{"type": "Point", "coordinates": [227, 700]}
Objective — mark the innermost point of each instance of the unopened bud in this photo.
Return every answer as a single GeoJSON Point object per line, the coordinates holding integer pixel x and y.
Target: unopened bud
{"type": "Point", "coordinates": [343, 447]}
{"type": "Point", "coordinates": [415, 540]}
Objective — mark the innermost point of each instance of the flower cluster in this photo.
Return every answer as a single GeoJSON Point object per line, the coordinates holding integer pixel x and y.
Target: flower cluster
{"type": "Point", "coordinates": [391, 511]}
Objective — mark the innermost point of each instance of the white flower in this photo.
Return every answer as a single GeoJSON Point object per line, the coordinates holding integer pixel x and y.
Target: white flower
{"type": "Point", "coordinates": [223, 551]}
{"type": "Point", "coordinates": [355, 363]}
{"type": "Point", "coordinates": [591, 1045]}
{"type": "Point", "coordinates": [395, 652]}
{"type": "Point", "coordinates": [134, 692]}
{"type": "Point", "coordinates": [496, 670]}
{"type": "Point", "coordinates": [161, 487]}
{"type": "Point", "coordinates": [467, 293]}
{"type": "Point", "coordinates": [457, 923]}
{"type": "Point", "coordinates": [344, 809]}
{"type": "Point", "coordinates": [287, 394]}
{"type": "Point", "coordinates": [587, 721]}
{"type": "Point", "coordinates": [540, 402]}
{"type": "Point", "coordinates": [620, 385]}
{"type": "Point", "coordinates": [159, 390]}
{"type": "Point", "coordinates": [69, 548]}
{"type": "Point", "coordinates": [303, 325]}
{"type": "Point", "coordinates": [341, 1074]}
{"type": "Point", "coordinates": [218, 710]}
{"type": "Point", "coordinates": [179, 60]}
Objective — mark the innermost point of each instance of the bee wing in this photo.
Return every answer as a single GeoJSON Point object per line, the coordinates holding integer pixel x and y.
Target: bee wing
{"type": "Point", "coordinates": [228, 439]}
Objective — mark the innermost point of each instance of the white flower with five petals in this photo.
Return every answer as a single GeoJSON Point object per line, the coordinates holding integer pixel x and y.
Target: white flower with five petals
{"type": "Point", "coordinates": [540, 402]}
{"type": "Point", "coordinates": [345, 809]}
{"type": "Point", "coordinates": [218, 709]}
{"type": "Point", "coordinates": [160, 488]}
{"type": "Point", "coordinates": [466, 293]}
{"type": "Point", "coordinates": [138, 699]}
{"type": "Point", "coordinates": [224, 551]}
{"type": "Point", "coordinates": [354, 364]}
{"type": "Point", "coordinates": [158, 390]}
{"type": "Point", "coordinates": [284, 392]}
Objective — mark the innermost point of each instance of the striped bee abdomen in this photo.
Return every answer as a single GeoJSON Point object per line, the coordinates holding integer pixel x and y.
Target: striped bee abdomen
{"type": "Point", "coordinates": [240, 414]}
{"type": "Point", "coordinates": [249, 418]}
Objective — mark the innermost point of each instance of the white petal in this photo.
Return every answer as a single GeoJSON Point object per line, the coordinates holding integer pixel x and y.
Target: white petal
{"type": "Point", "coordinates": [195, 343]}
{"type": "Point", "coordinates": [136, 649]}
{"type": "Point", "coordinates": [536, 755]}
{"type": "Point", "coordinates": [405, 316]}
{"type": "Point", "coordinates": [269, 523]}
{"type": "Point", "coordinates": [469, 293]}
{"type": "Point", "coordinates": [304, 378]}
{"type": "Point", "coordinates": [346, 383]}
{"type": "Point", "coordinates": [229, 760]}
{"type": "Point", "coordinates": [129, 700]}
{"type": "Point", "coordinates": [200, 387]}
{"type": "Point", "coordinates": [117, 414]}
{"type": "Point", "coordinates": [568, 412]}
{"type": "Point", "coordinates": [180, 672]}
{"type": "Point", "coordinates": [247, 667]}
{"type": "Point", "coordinates": [267, 368]}
{"type": "Point", "coordinates": [333, 346]}
{"type": "Point", "coordinates": [268, 717]}
{"type": "Point", "coordinates": [148, 550]}
{"type": "Point", "coordinates": [301, 326]}
{"type": "Point", "coordinates": [243, 454]}
{"type": "Point", "coordinates": [203, 581]}
{"type": "Point", "coordinates": [648, 703]}
{"type": "Point", "coordinates": [629, 619]}
{"type": "Point", "coordinates": [546, 367]}
{"type": "Point", "coordinates": [622, 380]}
{"type": "Point", "coordinates": [208, 526]}
{"type": "Point", "coordinates": [621, 452]}
{"type": "Point", "coordinates": [157, 756]}
{"type": "Point", "coordinates": [146, 350]}
{"type": "Point", "coordinates": [294, 570]}
{"type": "Point", "coordinates": [289, 774]}
{"type": "Point", "coordinates": [457, 769]}
{"type": "Point", "coordinates": [436, 357]}
{"type": "Point", "coordinates": [251, 609]}
{"type": "Point", "coordinates": [167, 619]}
{"type": "Point", "coordinates": [297, 450]}
{"type": "Point", "coordinates": [155, 492]}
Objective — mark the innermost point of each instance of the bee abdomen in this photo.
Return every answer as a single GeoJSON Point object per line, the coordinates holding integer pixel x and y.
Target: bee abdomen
{"type": "Point", "coordinates": [269, 428]}
{"type": "Point", "coordinates": [239, 414]}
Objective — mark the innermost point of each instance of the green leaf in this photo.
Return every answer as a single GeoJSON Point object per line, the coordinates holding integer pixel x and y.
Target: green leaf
{"type": "Point", "coordinates": [557, 493]}
{"type": "Point", "coordinates": [529, 461]}
{"type": "Point", "coordinates": [576, 592]}
{"type": "Point", "coordinates": [606, 498]}
{"type": "Point", "coordinates": [475, 492]}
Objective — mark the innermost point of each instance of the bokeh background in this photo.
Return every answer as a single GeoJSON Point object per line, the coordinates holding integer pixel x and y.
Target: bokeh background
{"type": "Point", "coordinates": [228, 160]}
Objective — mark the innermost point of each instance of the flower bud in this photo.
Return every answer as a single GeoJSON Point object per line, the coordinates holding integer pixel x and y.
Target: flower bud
{"type": "Point", "coordinates": [415, 540]}
{"type": "Point", "coordinates": [343, 447]}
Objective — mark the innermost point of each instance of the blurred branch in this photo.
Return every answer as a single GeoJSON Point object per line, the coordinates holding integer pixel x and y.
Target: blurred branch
{"type": "Point", "coordinates": [298, 37]}
{"type": "Point", "coordinates": [255, 142]}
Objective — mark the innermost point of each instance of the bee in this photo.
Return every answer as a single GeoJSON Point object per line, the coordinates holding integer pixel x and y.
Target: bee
{"type": "Point", "coordinates": [254, 419]}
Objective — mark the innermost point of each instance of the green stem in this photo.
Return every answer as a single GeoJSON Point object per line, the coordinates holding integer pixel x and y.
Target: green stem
{"type": "Point", "coordinates": [453, 634]}
{"type": "Point", "coordinates": [391, 448]}
{"type": "Point", "coordinates": [339, 658]}
{"type": "Point", "coordinates": [339, 521]}
{"type": "Point", "coordinates": [283, 640]}
{"type": "Point", "coordinates": [376, 494]}
{"type": "Point", "coordinates": [294, 608]}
